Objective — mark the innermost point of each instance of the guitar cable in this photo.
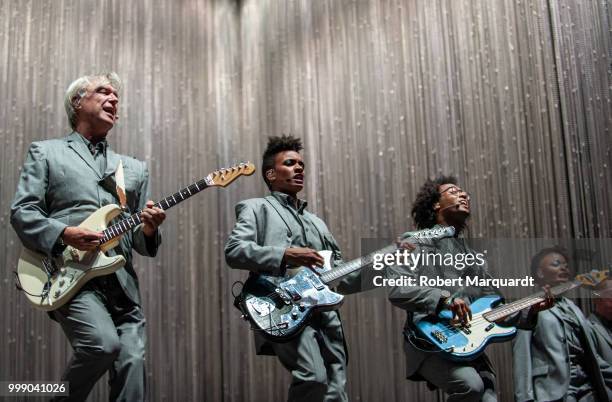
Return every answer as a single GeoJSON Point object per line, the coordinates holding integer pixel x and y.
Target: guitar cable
{"type": "Point", "coordinates": [409, 338]}
{"type": "Point", "coordinates": [43, 295]}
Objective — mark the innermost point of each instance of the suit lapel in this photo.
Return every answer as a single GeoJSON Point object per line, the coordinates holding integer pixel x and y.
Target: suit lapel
{"type": "Point", "coordinates": [80, 148]}
{"type": "Point", "coordinates": [283, 214]}
{"type": "Point", "coordinates": [600, 329]}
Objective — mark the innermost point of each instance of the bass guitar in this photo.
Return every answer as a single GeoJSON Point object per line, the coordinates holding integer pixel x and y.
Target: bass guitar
{"type": "Point", "coordinates": [459, 342]}
{"type": "Point", "coordinates": [50, 282]}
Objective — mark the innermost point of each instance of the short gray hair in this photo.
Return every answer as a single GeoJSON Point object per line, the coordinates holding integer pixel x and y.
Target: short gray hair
{"type": "Point", "coordinates": [78, 89]}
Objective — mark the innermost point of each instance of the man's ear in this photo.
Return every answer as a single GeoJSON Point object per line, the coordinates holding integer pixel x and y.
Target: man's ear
{"type": "Point", "coordinates": [539, 273]}
{"type": "Point", "coordinates": [270, 175]}
{"type": "Point", "coordinates": [436, 206]}
{"type": "Point", "coordinates": [76, 102]}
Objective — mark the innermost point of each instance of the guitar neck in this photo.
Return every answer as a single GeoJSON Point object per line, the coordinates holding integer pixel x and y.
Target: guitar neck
{"type": "Point", "coordinates": [354, 265]}
{"type": "Point", "coordinates": [127, 224]}
{"type": "Point", "coordinates": [505, 310]}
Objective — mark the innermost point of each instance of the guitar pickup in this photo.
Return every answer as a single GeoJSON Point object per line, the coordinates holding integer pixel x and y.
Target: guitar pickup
{"type": "Point", "coordinates": [489, 327]}
{"type": "Point", "coordinates": [466, 330]}
{"type": "Point", "coordinates": [439, 336]}
{"type": "Point", "coordinates": [283, 295]}
{"type": "Point", "coordinates": [293, 293]}
{"type": "Point", "coordinates": [316, 283]}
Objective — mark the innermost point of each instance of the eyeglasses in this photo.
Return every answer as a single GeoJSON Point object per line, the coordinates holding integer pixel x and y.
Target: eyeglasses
{"type": "Point", "coordinates": [456, 191]}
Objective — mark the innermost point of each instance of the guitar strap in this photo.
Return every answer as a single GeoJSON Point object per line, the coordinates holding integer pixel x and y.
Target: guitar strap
{"type": "Point", "coordinates": [120, 182]}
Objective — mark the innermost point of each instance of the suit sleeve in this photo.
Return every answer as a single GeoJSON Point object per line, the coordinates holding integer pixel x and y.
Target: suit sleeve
{"type": "Point", "coordinates": [243, 249]}
{"type": "Point", "coordinates": [144, 245]}
{"type": "Point", "coordinates": [521, 368]}
{"type": "Point", "coordinates": [416, 299]}
{"type": "Point", "coordinates": [29, 210]}
{"type": "Point", "coordinates": [351, 283]}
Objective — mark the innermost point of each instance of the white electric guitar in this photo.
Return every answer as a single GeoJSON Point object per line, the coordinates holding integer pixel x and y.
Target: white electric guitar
{"type": "Point", "coordinates": [49, 283]}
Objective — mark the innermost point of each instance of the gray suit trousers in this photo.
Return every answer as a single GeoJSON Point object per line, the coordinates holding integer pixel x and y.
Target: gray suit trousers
{"type": "Point", "coordinates": [107, 332]}
{"type": "Point", "coordinates": [317, 361]}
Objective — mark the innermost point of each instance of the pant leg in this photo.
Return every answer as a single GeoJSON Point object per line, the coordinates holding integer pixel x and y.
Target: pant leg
{"type": "Point", "coordinates": [127, 376]}
{"type": "Point", "coordinates": [460, 381]}
{"type": "Point", "coordinates": [91, 331]}
{"type": "Point", "coordinates": [302, 357]}
{"type": "Point", "coordinates": [334, 356]}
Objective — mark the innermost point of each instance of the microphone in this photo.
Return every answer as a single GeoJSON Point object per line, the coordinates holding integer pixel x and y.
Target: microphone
{"type": "Point", "coordinates": [450, 206]}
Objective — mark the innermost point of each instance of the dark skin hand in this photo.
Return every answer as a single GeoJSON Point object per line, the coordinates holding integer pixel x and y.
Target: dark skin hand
{"type": "Point", "coordinates": [302, 257]}
{"type": "Point", "coordinates": [151, 218]}
{"type": "Point", "coordinates": [462, 313]}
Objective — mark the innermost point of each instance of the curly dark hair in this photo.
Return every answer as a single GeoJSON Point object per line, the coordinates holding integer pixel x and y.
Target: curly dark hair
{"type": "Point", "coordinates": [276, 145]}
{"type": "Point", "coordinates": [423, 213]}
{"type": "Point", "coordinates": [536, 260]}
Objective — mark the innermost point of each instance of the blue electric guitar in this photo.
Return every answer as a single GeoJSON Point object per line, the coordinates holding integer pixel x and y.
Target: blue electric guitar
{"type": "Point", "coordinates": [464, 343]}
{"type": "Point", "coordinates": [279, 307]}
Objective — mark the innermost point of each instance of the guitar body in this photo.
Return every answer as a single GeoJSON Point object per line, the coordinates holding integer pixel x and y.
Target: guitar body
{"type": "Point", "coordinates": [464, 344]}
{"type": "Point", "coordinates": [280, 307]}
{"type": "Point", "coordinates": [49, 283]}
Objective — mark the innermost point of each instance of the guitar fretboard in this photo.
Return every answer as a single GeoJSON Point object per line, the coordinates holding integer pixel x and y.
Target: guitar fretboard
{"type": "Point", "coordinates": [127, 224]}
{"type": "Point", "coordinates": [511, 308]}
{"type": "Point", "coordinates": [358, 263]}
{"type": "Point", "coordinates": [354, 265]}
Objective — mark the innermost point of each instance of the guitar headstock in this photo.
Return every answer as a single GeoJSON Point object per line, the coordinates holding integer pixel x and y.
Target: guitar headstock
{"type": "Point", "coordinates": [223, 177]}
{"type": "Point", "coordinates": [593, 278]}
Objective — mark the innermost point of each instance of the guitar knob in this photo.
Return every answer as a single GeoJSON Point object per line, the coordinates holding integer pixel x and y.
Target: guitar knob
{"type": "Point", "coordinates": [63, 271]}
{"type": "Point", "coordinates": [301, 307]}
{"type": "Point", "coordinates": [61, 282]}
{"type": "Point", "coordinates": [294, 315]}
{"type": "Point", "coordinates": [57, 294]}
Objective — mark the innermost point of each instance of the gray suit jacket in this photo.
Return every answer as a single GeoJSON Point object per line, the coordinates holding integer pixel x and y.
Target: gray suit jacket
{"type": "Point", "coordinates": [541, 367]}
{"type": "Point", "coordinates": [602, 338]}
{"type": "Point", "coordinates": [263, 230]}
{"type": "Point", "coordinates": [60, 185]}
{"type": "Point", "coordinates": [420, 301]}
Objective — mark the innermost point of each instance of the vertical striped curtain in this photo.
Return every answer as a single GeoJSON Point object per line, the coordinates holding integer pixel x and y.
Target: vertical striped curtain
{"type": "Point", "coordinates": [513, 97]}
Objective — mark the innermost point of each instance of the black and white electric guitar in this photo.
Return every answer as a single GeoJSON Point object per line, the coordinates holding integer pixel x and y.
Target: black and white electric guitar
{"type": "Point", "coordinates": [280, 306]}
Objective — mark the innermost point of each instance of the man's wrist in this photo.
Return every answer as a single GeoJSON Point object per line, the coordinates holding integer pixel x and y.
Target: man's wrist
{"type": "Point", "coordinates": [443, 303]}
{"type": "Point", "coordinates": [60, 245]}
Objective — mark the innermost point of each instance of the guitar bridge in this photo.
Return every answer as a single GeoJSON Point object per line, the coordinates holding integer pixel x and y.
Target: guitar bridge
{"type": "Point", "coordinates": [439, 336]}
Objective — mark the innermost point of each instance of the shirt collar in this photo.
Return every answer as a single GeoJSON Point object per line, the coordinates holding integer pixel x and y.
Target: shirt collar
{"type": "Point", "coordinates": [288, 201]}
{"type": "Point", "coordinates": [103, 144]}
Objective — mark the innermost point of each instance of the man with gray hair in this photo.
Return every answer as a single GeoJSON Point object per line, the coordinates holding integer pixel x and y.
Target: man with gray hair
{"type": "Point", "coordinates": [62, 182]}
